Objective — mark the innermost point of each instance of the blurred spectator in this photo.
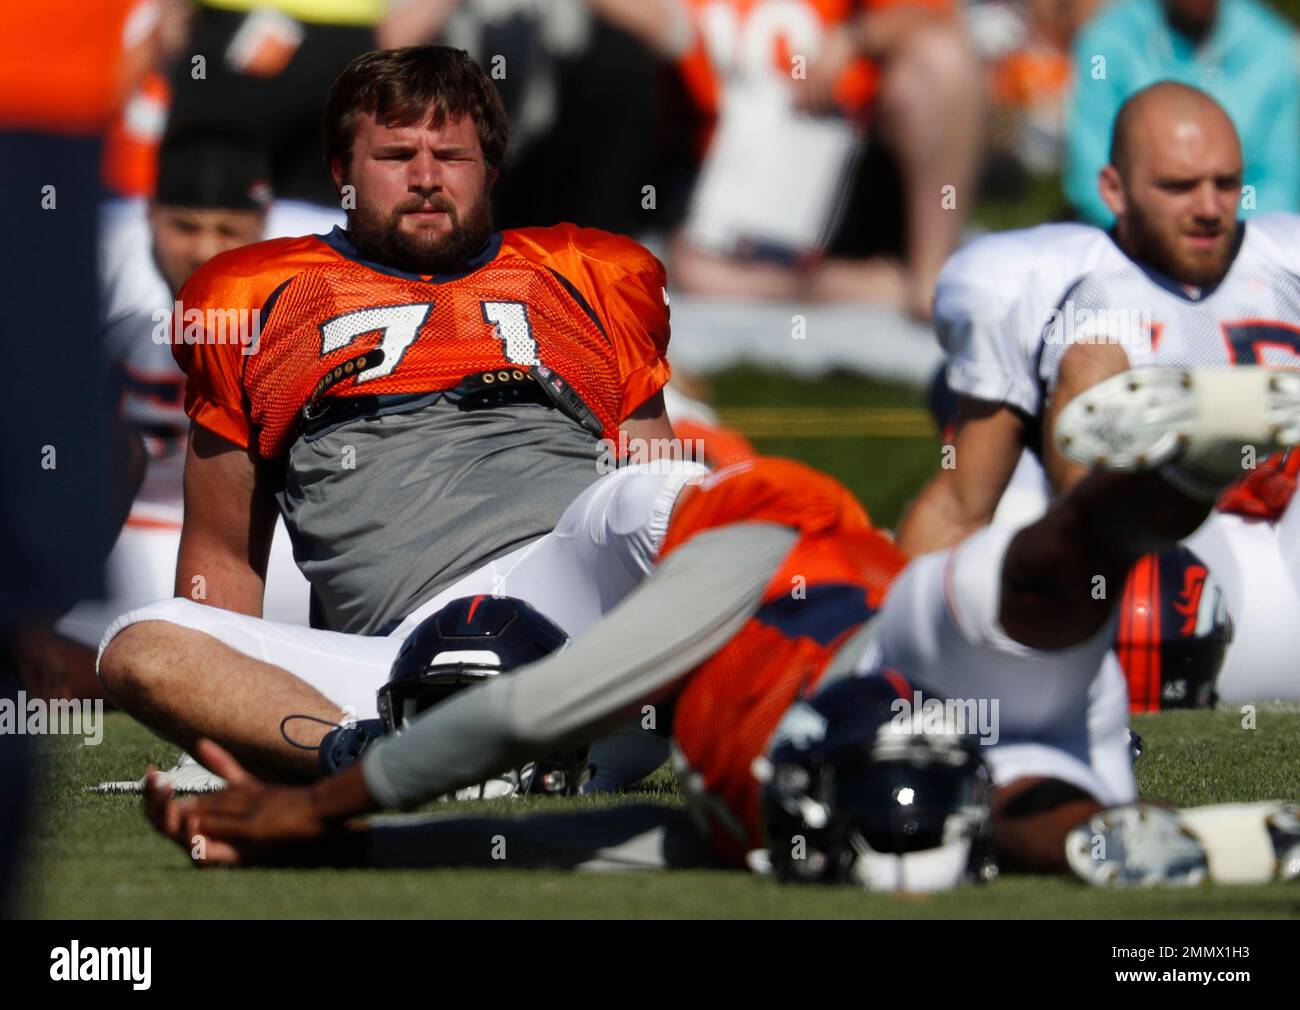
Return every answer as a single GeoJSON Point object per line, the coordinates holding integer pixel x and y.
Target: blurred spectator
{"type": "Point", "coordinates": [1026, 46]}
{"type": "Point", "coordinates": [1237, 50]}
{"type": "Point", "coordinates": [839, 146]}
{"type": "Point", "coordinates": [264, 66]}
{"type": "Point", "coordinates": [572, 83]}
{"type": "Point", "coordinates": [131, 146]}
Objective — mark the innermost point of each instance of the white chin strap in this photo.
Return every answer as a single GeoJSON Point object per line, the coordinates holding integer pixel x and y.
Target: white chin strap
{"type": "Point", "coordinates": [928, 870]}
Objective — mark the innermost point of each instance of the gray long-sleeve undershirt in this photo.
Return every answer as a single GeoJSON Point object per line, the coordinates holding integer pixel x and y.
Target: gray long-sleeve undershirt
{"type": "Point", "coordinates": [692, 604]}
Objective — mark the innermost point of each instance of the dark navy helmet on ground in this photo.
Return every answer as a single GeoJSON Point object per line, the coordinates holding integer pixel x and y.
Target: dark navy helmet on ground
{"type": "Point", "coordinates": [862, 787]}
{"type": "Point", "coordinates": [467, 642]}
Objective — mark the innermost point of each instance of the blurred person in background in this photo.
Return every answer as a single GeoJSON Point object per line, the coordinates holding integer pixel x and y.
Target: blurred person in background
{"type": "Point", "coordinates": [1239, 51]}
{"type": "Point", "coordinates": [130, 161]}
{"type": "Point", "coordinates": [838, 140]}
{"type": "Point", "coordinates": [211, 195]}
{"type": "Point", "coordinates": [264, 66]}
{"type": "Point", "coordinates": [572, 81]}
{"type": "Point", "coordinates": [1025, 46]}
{"type": "Point", "coordinates": [266, 84]}
{"type": "Point", "coordinates": [65, 69]}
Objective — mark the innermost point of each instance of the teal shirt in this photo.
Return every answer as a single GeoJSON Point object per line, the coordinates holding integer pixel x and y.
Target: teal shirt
{"type": "Point", "coordinates": [1248, 63]}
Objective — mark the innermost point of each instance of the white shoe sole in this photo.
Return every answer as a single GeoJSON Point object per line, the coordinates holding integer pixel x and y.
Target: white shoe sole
{"type": "Point", "coordinates": [1139, 845]}
{"type": "Point", "coordinates": [186, 776]}
{"type": "Point", "coordinates": [1146, 417]}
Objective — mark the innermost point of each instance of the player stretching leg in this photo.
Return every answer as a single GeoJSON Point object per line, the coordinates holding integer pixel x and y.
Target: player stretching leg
{"type": "Point", "coordinates": [761, 681]}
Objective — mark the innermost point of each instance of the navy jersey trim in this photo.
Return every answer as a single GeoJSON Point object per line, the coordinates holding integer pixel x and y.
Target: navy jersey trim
{"type": "Point", "coordinates": [576, 295]}
{"type": "Point", "coordinates": [824, 614]}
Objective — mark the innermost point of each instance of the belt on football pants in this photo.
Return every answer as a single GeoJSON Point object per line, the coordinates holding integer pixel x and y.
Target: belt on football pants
{"type": "Point", "coordinates": [477, 391]}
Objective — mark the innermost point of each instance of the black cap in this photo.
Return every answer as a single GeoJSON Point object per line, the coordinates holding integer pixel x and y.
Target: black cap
{"type": "Point", "coordinates": [213, 170]}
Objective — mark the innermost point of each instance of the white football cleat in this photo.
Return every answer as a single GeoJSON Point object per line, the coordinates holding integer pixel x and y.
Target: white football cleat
{"type": "Point", "coordinates": [505, 787]}
{"type": "Point", "coordinates": [1200, 420]}
{"type": "Point", "coordinates": [1225, 843]}
{"type": "Point", "coordinates": [1139, 845]}
{"type": "Point", "coordinates": [186, 776]}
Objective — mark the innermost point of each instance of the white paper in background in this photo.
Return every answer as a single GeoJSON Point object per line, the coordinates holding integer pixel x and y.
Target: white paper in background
{"type": "Point", "coordinates": [772, 175]}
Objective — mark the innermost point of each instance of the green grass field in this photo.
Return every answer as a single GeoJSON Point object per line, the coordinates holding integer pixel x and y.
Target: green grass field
{"type": "Point", "coordinates": [95, 857]}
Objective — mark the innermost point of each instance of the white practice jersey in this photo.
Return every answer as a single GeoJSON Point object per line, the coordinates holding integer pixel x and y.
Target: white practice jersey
{"type": "Point", "coordinates": [1251, 317]}
{"type": "Point", "coordinates": [137, 304]}
{"type": "Point", "coordinates": [996, 294]}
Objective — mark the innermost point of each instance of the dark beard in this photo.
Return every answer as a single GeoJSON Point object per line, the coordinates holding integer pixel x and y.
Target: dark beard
{"type": "Point", "coordinates": [1148, 247]}
{"type": "Point", "coordinates": [382, 241]}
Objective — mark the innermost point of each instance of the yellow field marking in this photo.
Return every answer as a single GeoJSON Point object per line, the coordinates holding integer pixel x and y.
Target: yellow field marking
{"type": "Point", "coordinates": [830, 422]}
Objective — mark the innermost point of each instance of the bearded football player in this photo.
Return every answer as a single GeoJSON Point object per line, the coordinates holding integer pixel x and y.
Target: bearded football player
{"type": "Point", "coordinates": [1031, 318]}
{"type": "Point", "coordinates": [425, 401]}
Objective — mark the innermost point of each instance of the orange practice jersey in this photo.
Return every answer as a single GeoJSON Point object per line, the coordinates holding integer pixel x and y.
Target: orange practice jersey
{"type": "Point", "coordinates": [731, 37]}
{"type": "Point", "coordinates": [831, 582]}
{"type": "Point", "coordinates": [587, 305]}
{"type": "Point", "coordinates": [721, 445]}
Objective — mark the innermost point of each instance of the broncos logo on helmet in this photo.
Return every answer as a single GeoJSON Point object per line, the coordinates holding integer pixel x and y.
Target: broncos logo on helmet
{"type": "Point", "coordinates": [1174, 630]}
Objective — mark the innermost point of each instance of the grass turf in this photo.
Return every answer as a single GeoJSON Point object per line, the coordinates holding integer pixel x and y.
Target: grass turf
{"type": "Point", "coordinates": [95, 857]}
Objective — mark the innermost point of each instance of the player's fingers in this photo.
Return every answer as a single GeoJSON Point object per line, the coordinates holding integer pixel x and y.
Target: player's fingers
{"type": "Point", "coordinates": [223, 853]}
{"type": "Point", "coordinates": [191, 838]}
{"type": "Point", "coordinates": [209, 851]}
{"type": "Point", "coordinates": [231, 827]}
{"type": "Point", "coordinates": [236, 802]}
{"type": "Point", "coordinates": [219, 761]}
{"type": "Point", "coordinates": [159, 806]}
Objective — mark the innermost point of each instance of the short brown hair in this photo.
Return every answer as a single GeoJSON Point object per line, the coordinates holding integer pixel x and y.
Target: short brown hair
{"type": "Point", "coordinates": [405, 87]}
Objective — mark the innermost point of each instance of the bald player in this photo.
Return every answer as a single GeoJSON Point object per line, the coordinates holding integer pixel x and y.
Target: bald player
{"type": "Point", "coordinates": [1031, 318]}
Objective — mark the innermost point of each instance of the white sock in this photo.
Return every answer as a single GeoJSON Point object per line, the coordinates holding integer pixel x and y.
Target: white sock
{"type": "Point", "coordinates": [1236, 840]}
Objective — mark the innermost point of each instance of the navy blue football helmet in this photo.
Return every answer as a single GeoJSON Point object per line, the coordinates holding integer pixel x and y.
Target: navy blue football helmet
{"type": "Point", "coordinates": [467, 642]}
{"type": "Point", "coordinates": [861, 787]}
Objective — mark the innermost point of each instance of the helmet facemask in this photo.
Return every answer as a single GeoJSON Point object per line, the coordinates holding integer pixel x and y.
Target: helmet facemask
{"type": "Point", "coordinates": [883, 808]}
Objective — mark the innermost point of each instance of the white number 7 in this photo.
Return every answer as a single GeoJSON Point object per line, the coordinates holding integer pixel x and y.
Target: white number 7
{"type": "Point", "coordinates": [400, 324]}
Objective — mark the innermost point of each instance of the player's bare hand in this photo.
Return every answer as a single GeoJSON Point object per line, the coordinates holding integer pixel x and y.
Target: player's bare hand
{"type": "Point", "coordinates": [247, 822]}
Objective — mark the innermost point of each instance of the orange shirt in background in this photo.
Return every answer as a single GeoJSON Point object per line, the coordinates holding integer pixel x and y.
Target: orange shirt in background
{"type": "Point", "coordinates": [66, 66]}
{"type": "Point", "coordinates": [731, 37]}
